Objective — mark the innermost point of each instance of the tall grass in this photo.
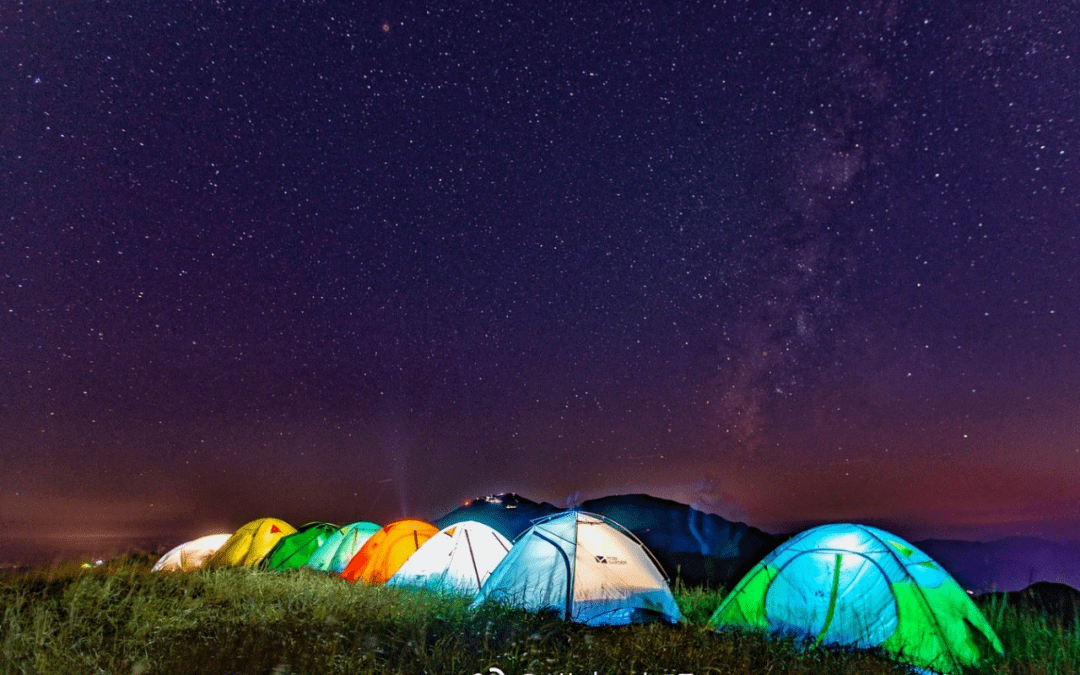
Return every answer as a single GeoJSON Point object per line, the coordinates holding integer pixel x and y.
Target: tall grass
{"type": "Point", "coordinates": [1034, 643]}
{"type": "Point", "coordinates": [121, 619]}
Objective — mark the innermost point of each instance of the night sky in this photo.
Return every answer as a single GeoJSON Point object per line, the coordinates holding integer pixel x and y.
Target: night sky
{"type": "Point", "coordinates": [789, 262]}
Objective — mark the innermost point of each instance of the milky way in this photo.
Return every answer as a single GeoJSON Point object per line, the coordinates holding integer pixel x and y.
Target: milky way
{"type": "Point", "coordinates": [789, 263]}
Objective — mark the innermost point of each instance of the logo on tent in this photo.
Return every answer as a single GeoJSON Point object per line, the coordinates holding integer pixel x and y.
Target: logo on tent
{"type": "Point", "coordinates": [609, 560]}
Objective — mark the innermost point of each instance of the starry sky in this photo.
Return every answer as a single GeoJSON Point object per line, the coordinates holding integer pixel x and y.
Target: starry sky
{"type": "Point", "coordinates": [789, 262]}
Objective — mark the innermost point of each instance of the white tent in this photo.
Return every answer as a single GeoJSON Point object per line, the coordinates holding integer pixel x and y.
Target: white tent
{"type": "Point", "coordinates": [190, 555]}
{"type": "Point", "coordinates": [586, 568]}
{"type": "Point", "coordinates": [458, 559]}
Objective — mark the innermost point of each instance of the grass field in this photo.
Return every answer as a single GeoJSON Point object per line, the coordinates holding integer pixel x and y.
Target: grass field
{"type": "Point", "coordinates": [120, 619]}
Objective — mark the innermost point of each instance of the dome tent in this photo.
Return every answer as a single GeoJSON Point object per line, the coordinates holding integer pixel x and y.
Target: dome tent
{"type": "Point", "coordinates": [340, 547]}
{"type": "Point", "coordinates": [458, 559]}
{"type": "Point", "coordinates": [858, 586]}
{"type": "Point", "coordinates": [191, 555]}
{"type": "Point", "coordinates": [250, 544]}
{"type": "Point", "coordinates": [387, 550]}
{"type": "Point", "coordinates": [293, 550]}
{"type": "Point", "coordinates": [585, 567]}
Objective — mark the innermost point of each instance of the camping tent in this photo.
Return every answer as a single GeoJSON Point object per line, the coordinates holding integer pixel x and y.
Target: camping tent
{"type": "Point", "coordinates": [457, 560]}
{"type": "Point", "coordinates": [190, 555]}
{"type": "Point", "coordinates": [387, 550]}
{"type": "Point", "coordinates": [250, 544]}
{"type": "Point", "coordinates": [294, 550]}
{"type": "Point", "coordinates": [585, 567]}
{"type": "Point", "coordinates": [340, 547]}
{"type": "Point", "coordinates": [859, 586]}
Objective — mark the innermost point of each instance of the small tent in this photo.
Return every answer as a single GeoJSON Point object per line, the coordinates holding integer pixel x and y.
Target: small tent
{"type": "Point", "coordinates": [340, 547]}
{"type": "Point", "coordinates": [458, 559]}
{"type": "Point", "coordinates": [250, 544]}
{"type": "Point", "coordinates": [191, 555]}
{"type": "Point", "coordinates": [858, 586]}
{"type": "Point", "coordinates": [586, 568]}
{"type": "Point", "coordinates": [387, 550]}
{"type": "Point", "coordinates": [293, 550]}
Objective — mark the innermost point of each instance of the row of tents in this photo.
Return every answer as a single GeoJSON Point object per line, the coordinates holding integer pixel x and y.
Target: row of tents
{"type": "Point", "coordinates": [585, 567]}
{"type": "Point", "coordinates": [846, 585]}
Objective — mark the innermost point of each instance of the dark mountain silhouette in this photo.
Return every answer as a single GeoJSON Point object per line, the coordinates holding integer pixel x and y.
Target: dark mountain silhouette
{"type": "Point", "coordinates": [1059, 603]}
{"type": "Point", "coordinates": [1008, 564]}
{"type": "Point", "coordinates": [508, 514]}
{"type": "Point", "coordinates": [701, 549]}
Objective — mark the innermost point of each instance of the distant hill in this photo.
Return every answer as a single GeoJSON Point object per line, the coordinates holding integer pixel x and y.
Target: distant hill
{"type": "Point", "coordinates": [707, 550]}
{"type": "Point", "coordinates": [509, 514]}
{"type": "Point", "coordinates": [699, 548]}
{"type": "Point", "coordinates": [1008, 564]}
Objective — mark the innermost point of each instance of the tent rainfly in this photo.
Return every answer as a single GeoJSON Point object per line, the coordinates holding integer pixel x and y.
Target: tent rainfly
{"type": "Point", "coordinates": [387, 550]}
{"type": "Point", "coordinates": [458, 559]}
{"type": "Point", "coordinates": [858, 586]}
{"type": "Point", "coordinates": [293, 550]}
{"type": "Point", "coordinates": [250, 544]}
{"type": "Point", "coordinates": [191, 555]}
{"type": "Point", "coordinates": [586, 568]}
{"type": "Point", "coordinates": [338, 550]}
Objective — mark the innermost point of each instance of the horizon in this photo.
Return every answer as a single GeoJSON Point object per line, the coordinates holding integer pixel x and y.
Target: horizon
{"type": "Point", "coordinates": [41, 549]}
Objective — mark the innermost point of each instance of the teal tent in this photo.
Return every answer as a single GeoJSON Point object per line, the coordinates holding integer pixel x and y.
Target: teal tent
{"type": "Point", "coordinates": [340, 547]}
{"type": "Point", "coordinates": [586, 569]}
{"type": "Point", "coordinates": [858, 586]}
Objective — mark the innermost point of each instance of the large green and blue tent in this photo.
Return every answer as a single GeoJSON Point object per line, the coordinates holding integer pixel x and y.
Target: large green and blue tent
{"type": "Point", "coordinates": [859, 586]}
{"type": "Point", "coordinates": [341, 546]}
{"type": "Point", "coordinates": [293, 550]}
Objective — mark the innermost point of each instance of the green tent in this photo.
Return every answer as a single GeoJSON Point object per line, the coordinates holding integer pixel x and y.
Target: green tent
{"type": "Point", "coordinates": [338, 550]}
{"type": "Point", "coordinates": [858, 586]}
{"type": "Point", "coordinates": [294, 550]}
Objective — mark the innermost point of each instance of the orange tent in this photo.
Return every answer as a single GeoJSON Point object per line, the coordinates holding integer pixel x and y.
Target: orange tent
{"type": "Point", "coordinates": [387, 550]}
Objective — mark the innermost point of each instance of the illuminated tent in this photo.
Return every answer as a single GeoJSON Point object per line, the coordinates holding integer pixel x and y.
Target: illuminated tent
{"type": "Point", "coordinates": [340, 547]}
{"type": "Point", "coordinates": [456, 560]}
{"type": "Point", "coordinates": [858, 586]}
{"type": "Point", "coordinates": [586, 568]}
{"type": "Point", "coordinates": [293, 550]}
{"type": "Point", "coordinates": [250, 544]}
{"type": "Point", "coordinates": [387, 550]}
{"type": "Point", "coordinates": [191, 555]}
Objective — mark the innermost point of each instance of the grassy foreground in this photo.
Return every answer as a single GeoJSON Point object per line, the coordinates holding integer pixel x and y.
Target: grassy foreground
{"type": "Point", "coordinates": [120, 619]}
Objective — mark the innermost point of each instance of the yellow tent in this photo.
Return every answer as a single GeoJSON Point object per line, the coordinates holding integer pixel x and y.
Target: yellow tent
{"type": "Point", "coordinates": [387, 550]}
{"type": "Point", "coordinates": [250, 544]}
